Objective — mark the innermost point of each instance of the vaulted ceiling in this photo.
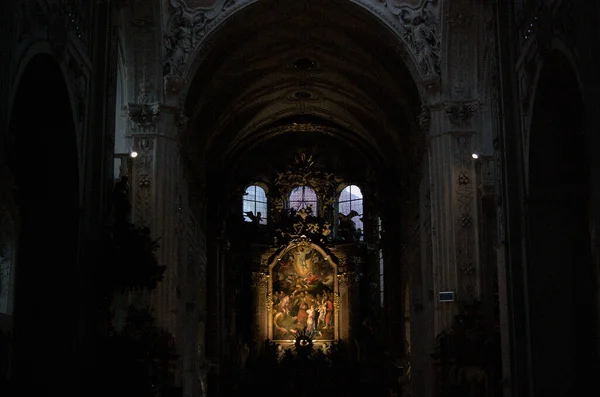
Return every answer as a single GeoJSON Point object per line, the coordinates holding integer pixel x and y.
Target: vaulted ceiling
{"type": "Point", "coordinates": [277, 66]}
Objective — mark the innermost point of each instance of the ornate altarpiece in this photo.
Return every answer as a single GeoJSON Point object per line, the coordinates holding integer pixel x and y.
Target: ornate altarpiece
{"type": "Point", "coordinates": [303, 294]}
{"type": "Point", "coordinates": [304, 286]}
{"type": "Point", "coordinates": [304, 289]}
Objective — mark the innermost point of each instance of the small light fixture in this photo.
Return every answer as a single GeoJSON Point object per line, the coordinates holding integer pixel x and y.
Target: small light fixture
{"type": "Point", "coordinates": [475, 155]}
{"type": "Point", "coordinates": [132, 153]}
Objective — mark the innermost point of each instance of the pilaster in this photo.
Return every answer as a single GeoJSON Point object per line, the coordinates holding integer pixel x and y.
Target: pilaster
{"type": "Point", "coordinates": [263, 306]}
{"type": "Point", "coordinates": [161, 202]}
{"type": "Point", "coordinates": [348, 283]}
{"type": "Point", "coordinates": [452, 178]}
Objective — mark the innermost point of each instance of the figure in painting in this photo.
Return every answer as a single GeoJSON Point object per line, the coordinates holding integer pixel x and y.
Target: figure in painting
{"type": "Point", "coordinates": [303, 295]}
{"type": "Point", "coordinates": [301, 259]}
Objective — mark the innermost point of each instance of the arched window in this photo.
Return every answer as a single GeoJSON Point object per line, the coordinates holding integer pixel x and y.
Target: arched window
{"type": "Point", "coordinates": [303, 197]}
{"type": "Point", "coordinates": [255, 202]}
{"type": "Point", "coordinates": [351, 199]}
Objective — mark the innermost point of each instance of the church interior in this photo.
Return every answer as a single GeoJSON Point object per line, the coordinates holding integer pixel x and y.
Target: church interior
{"type": "Point", "coordinates": [205, 198]}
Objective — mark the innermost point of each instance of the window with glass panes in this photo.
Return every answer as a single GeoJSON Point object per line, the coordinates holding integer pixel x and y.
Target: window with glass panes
{"type": "Point", "coordinates": [303, 197]}
{"type": "Point", "coordinates": [350, 199]}
{"type": "Point", "coordinates": [255, 201]}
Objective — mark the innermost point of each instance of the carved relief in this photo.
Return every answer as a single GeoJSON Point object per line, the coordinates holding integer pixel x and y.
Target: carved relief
{"type": "Point", "coordinates": [143, 116]}
{"type": "Point", "coordinates": [143, 189]}
{"type": "Point", "coordinates": [465, 192]}
{"type": "Point", "coordinates": [424, 120]}
{"type": "Point", "coordinates": [460, 114]}
{"type": "Point", "coordinates": [421, 31]}
{"type": "Point", "coordinates": [416, 23]}
{"type": "Point", "coordinates": [184, 32]}
{"type": "Point", "coordinates": [305, 173]}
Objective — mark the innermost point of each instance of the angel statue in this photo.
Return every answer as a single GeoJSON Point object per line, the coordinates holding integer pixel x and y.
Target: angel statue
{"type": "Point", "coordinates": [421, 32]}
{"type": "Point", "coordinates": [255, 219]}
{"type": "Point", "coordinates": [346, 226]}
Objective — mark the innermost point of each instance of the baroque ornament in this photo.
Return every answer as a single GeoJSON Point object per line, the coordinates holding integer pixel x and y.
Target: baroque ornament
{"type": "Point", "coordinates": [143, 115]}
{"type": "Point", "coordinates": [187, 27]}
{"type": "Point", "coordinates": [304, 173]}
{"type": "Point", "coordinates": [185, 30]}
{"type": "Point", "coordinates": [424, 120]}
{"type": "Point", "coordinates": [421, 30]}
{"type": "Point", "coordinates": [465, 206]}
{"type": "Point", "coordinates": [260, 280]}
{"type": "Point", "coordinates": [143, 179]}
{"type": "Point", "coordinates": [460, 114]}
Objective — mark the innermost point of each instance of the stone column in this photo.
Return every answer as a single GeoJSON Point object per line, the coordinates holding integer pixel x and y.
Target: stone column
{"type": "Point", "coordinates": [262, 308]}
{"type": "Point", "coordinates": [453, 207]}
{"type": "Point", "coordinates": [155, 184]}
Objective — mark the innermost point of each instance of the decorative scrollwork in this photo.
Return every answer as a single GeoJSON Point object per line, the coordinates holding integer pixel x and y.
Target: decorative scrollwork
{"type": "Point", "coordinates": [305, 173]}
{"type": "Point", "coordinates": [269, 302]}
{"type": "Point", "coordinates": [184, 32]}
{"type": "Point", "coordinates": [143, 115]}
{"type": "Point", "coordinates": [460, 114]}
{"type": "Point", "coordinates": [260, 280]}
{"type": "Point", "coordinates": [420, 29]}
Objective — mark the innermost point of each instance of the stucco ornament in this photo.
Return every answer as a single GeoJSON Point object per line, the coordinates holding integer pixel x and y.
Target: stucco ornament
{"type": "Point", "coordinates": [185, 29]}
{"type": "Point", "coordinates": [420, 30]}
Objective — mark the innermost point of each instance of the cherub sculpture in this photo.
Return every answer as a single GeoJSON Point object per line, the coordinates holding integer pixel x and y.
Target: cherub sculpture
{"type": "Point", "coordinates": [254, 218]}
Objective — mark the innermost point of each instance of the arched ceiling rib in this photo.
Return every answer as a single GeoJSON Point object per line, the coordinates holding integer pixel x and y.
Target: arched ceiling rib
{"type": "Point", "coordinates": [280, 60]}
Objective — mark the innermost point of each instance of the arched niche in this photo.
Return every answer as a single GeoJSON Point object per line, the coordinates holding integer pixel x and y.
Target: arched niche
{"type": "Point", "coordinates": [560, 280]}
{"type": "Point", "coordinates": [302, 279]}
{"type": "Point", "coordinates": [43, 159]}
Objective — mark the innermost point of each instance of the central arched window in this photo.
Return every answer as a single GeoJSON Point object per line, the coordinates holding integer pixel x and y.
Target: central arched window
{"type": "Point", "coordinates": [255, 205]}
{"type": "Point", "coordinates": [351, 199]}
{"type": "Point", "coordinates": [303, 197]}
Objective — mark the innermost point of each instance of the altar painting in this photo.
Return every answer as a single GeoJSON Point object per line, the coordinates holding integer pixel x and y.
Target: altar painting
{"type": "Point", "coordinates": [303, 291]}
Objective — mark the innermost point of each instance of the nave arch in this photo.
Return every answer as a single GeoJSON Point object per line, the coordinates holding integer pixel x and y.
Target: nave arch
{"type": "Point", "coordinates": [43, 165]}
{"type": "Point", "coordinates": [236, 96]}
{"type": "Point", "coordinates": [561, 282]}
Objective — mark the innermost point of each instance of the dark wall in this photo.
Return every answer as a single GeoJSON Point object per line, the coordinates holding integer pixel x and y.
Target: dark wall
{"type": "Point", "coordinates": [43, 160]}
{"type": "Point", "coordinates": [559, 275]}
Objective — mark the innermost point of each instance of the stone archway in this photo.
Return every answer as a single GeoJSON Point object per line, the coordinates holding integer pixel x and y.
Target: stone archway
{"type": "Point", "coordinates": [192, 28]}
{"type": "Point", "coordinates": [271, 79]}
{"type": "Point", "coordinates": [44, 163]}
{"type": "Point", "coordinates": [559, 275]}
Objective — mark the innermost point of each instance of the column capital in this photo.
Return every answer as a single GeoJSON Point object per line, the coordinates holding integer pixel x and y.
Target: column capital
{"type": "Point", "coordinates": [143, 116]}
{"type": "Point", "coordinates": [449, 116]}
